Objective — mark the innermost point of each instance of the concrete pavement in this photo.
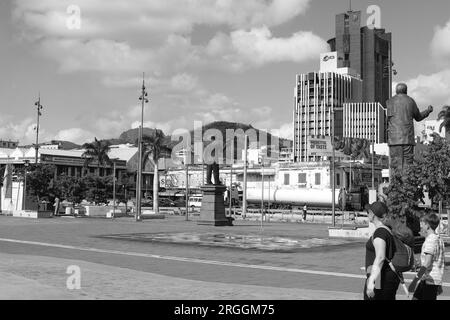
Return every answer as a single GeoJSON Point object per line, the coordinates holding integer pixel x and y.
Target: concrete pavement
{"type": "Point", "coordinates": [275, 275]}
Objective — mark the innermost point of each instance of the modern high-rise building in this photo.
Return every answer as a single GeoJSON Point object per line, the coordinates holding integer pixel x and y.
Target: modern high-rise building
{"type": "Point", "coordinates": [317, 95]}
{"type": "Point", "coordinates": [365, 120]}
{"type": "Point", "coordinates": [368, 51]}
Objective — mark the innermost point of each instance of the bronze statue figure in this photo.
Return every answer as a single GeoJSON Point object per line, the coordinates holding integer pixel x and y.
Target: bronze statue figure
{"type": "Point", "coordinates": [210, 170]}
{"type": "Point", "coordinates": [212, 167]}
{"type": "Point", "coordinates": [402, 110]}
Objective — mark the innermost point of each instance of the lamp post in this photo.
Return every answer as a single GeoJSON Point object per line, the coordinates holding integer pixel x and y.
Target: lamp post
{"type": "Point", "coordinates": [144, 100]}
{"type": "Point", "coordinates": [244, 191]}
{"type": "Point", "coordinates": [39, 107]}
{"type": "Point", "coordinates": [25, 163]}
{"type": "Point", "coordinates": [231, 188]}
{"type": "Point", "coordinates": [333, 169]}
{"type": "Point", "coordinates": [187, 190]}
{"type": "Point", "coordinates": [114, 188]}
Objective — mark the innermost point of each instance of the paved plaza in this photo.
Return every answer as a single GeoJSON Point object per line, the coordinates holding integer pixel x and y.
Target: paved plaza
{"type": "Point", "coordinates": [178, 259]}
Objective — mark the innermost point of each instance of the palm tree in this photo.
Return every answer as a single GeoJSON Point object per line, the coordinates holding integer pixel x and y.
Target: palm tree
{"type": "Point", "coordinates": [97, 150]}
{"type": "Point", "coordinates": [445, 115]}
{"type": "Point", "coordinates": [153, 149]}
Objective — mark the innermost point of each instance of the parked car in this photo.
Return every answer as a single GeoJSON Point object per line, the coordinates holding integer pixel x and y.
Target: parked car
{"type": "Point", "coordinates": [164, 202]}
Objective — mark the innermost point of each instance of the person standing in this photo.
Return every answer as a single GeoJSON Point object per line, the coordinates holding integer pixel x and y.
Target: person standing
{"type": "Point", "coordinates": [305, 212]}
{"type": "Point", "coordinates": [56, 205]}
{"type": "Point", "coordinates": [382, 283]}
{"type": "Point", "coordinates": [427, 284]}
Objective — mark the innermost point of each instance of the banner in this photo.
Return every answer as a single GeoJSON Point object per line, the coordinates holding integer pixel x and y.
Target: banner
{"type": "Point", "coordinates": [7, 182]}
{"type": "Point", "coordinates": [353, 148]}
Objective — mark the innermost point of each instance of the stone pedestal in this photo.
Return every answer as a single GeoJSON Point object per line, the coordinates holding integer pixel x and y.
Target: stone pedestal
{"type": "Point", "coordinates": [212, 212]}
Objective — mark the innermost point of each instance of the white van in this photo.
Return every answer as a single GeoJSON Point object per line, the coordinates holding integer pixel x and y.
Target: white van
{"type": "Point", "coordinates": [195, 201]}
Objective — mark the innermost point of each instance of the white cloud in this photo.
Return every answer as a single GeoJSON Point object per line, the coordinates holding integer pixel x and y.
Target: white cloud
{"type": "Point", "coordinates": [152, 18]}
{"type": "Point", "coordinates": [76, 135]}
{"type": "Point", "coordinates": [440, 45]}
{"type": "Point", "coordinates": [431, 89]}
{"type": "Point", "coordinates": [259, 47]}
{"type": "Point", "coordinates": [158, 34]}
{"type": "Point", "coordinates": [285, 131]}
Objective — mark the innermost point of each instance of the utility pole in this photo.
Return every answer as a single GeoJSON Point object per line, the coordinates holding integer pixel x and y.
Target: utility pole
{"type": "Point", "coordinates": [244, 192]}
{"type": "Point", "coordinates": [114, 189]}
{"type": "Point", "coordinates": [144, 100]}
{"type": "Point", "coordinates": [231, 188]}
{"type": "Point", "coordinates": [39, 107]}
{"type": "Point", "coordinates": [187, 189]}
{"type": "Point", "coordinates": [25, 164]}
{"type": "Point", "coordinates": [333, 171]}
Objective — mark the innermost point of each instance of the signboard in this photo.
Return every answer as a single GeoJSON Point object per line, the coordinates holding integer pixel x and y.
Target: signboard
{"type": "Point", "coordinates": [344, 147]}
{"type": "Point", "coordinates": [320, 147]}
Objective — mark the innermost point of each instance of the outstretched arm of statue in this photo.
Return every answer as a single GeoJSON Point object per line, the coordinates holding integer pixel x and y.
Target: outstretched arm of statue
{"type": "Point", "coordinates": [419, 116]}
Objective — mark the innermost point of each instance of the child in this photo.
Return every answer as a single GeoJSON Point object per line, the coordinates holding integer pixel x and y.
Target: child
{"type": "Point", "coordinates": [431, 272]}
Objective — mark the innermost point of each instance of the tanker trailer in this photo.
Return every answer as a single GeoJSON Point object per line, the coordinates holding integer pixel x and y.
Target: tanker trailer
{"type": "Point", "coordinates": [321, 198]}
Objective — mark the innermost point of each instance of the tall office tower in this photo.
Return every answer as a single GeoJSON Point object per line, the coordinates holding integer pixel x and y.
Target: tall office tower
{"type": "Point", "coordinates": [367, 51]}
{"type": "Point", "coordinates": [365, 120]}
{"type": "Point", "coordinates": [316, 95]}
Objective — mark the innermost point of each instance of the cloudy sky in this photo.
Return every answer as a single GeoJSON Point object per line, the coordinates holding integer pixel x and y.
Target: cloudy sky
{"type": "Point", "coordinates": [204, 60]}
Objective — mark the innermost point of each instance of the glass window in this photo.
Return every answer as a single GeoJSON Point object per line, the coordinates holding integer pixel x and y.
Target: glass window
{"type": "Point", "coordinates": [302, 178]}
{"type": "Point", "coordinates": [317, 178]}
{"type": "Point", "coordinates": [286, 179]}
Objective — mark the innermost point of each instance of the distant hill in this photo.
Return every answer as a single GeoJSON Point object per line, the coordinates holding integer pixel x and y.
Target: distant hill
{"type": "Point", "coordinates": [131, 136]}
{"type": "Point", "coordinates": [63, 145]}
{"type": "Point", "coordinates": [239, 130]}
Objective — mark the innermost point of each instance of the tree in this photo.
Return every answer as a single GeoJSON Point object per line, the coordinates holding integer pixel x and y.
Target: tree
{"type": "Point", "coordinates": [98, 151]}
{"type": "Point", "coordinates": [445, 115]}
{"type": "Point", "coordinates": [429, 173]}
{"type": "Point", "coordinates": [97, 189]}
{"type": "Point", "coordinates": [153, 150]}
{"type": "Point", "coordinates": [40, 181]}
{"type": "Point", "coordinates": [404, 191]}
{"type": "Point", "coordinates": [70, 188]}
{"type": "Point", "coordinates": [435, 171]}
{"type": "Point", "coordinates": [126, 181]}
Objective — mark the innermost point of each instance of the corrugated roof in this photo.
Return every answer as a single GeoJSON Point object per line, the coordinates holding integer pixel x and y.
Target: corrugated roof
{"type": "Point", "coordinates": [122, 153]}
{"type": "Point", "coordinates": [62, 153]}
{"type": "Point", "coordinates": [5, 152]}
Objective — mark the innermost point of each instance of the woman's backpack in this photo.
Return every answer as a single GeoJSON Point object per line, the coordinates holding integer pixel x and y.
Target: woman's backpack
{"type": "Point", "coordinates": [403, 259]}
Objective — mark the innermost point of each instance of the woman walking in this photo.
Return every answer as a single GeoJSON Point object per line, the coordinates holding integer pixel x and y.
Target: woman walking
{"type": "Point", "coordinates": [432, 258]}
{"type": "Point", "coordinates": [382, 283]}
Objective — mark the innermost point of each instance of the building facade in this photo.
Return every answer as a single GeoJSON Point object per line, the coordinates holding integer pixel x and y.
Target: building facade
{"type": "Point", "coordinates": [9, 144]}
{"type": "Point", "coordinates": [367, 51]}
{"type": "Point", "coordinates": [365, 121]}
{"type": "Point", "coordinates": [317, 96]}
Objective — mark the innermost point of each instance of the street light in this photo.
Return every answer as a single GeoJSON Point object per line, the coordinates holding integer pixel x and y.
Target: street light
{"type": "Point", "coordinates": [333, 171]}
{"type": "Point", "coordinates": [25, 163]}
{"type": "Point", "coordinates": [144, 100]}
{"type": "Point", "coordinates": [114, 188]}
{"type": "Point", "coordinates": [39, 107]}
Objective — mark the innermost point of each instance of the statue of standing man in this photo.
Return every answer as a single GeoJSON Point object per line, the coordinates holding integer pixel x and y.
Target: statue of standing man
{"type": "Point", "coordinates": [402, 110]}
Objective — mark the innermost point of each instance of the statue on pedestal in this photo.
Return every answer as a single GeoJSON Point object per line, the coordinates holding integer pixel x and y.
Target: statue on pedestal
{"type": "Point", "coordinates": [212, 167]}
{"type": "Point", "coordinates": [402, 110]}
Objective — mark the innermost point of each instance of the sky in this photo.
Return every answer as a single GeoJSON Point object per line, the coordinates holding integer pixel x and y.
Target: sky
{"type": "Point", "coordinates": [204, 60]}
